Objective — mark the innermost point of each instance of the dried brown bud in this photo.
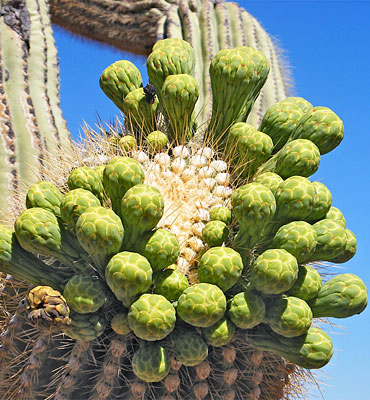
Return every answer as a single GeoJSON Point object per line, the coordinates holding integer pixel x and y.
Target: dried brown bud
{"type": "Point", "coordinates": [48, 308]}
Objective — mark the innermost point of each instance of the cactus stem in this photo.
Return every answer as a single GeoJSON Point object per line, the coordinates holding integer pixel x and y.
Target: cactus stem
{"type": "Point", "coordinates": [66, 378]}
{"type": "Point", "coordinates": [110, 370]}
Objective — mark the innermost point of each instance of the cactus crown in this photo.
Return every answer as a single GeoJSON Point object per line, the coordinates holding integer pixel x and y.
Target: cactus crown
{"type": "Point", "coordinates": [181, 276]}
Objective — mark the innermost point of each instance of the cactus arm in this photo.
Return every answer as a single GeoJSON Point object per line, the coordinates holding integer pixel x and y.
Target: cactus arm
{"type": "Point", "coordinates": [14, 59]}
{"type": "Point", "coordinates": [173, 25]}
{"type": "Point", "coordinates": [52, 74]}
{"type": "Point", "coordinates": [192, 34]}
{"type": "Point", "coordinates": [37, 69]}
{"type": "Point", "coordinates": [209, 49]}
{"type": "Point", "coordinates": [31, 118]}
{"type": "Point", "coordinates": [236, 23]}
{"type": "Point", "coordinates": [7, 147]}
{"type": "Point", "coordinates": [224, 30]}
{"type": "Point", "coordinates": [129, 25]}
{"type": "Point", "coordinates": [277, 85]}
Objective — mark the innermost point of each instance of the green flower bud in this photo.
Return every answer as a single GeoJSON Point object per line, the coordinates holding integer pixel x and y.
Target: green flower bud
{"type": "Point", "coordinates": [152, 317]}
{"type": "Point", "coordinates": [157, 141]}
{"type": "Point", "coordinates": [215, 233]}
{"type": "Point", "coordinates": [331, 240]}
{"type": "Point", "coordinates": [270, 180]}
{"type": "Point", "coordinates": [173, 42]}
{"type": "Point", "coordinates": [298, 238]}
{"type": "Point", "coordinates": [340, 297]}
{"type": "Point", "coordinates": [86, 327]}
{"type": "Point", "coordinates": [298, 157]}
{"type": "Point", "coordinates": [336, 215]}
{"type": "Point", "coordinates": [322, 126]}
{"type": "Point", "coordinates": [46, 195]}
{"type": "Point", "coordinates": [127, 143]}
{"type": "Point", "coordinates": [349, 250]}
{"type": "Point", "coordinates": [246, 310]}
{"type": "Point", "coordinates": [161, 248]}
{"type": "Point", "coordinates": [165, 61]}
{"type": "Point", "coordinates": [179, 93]}
{"type": "Point", "coordinates": [311, 350]}
{"type": "Point", "coordinates": [189, 348]}
{"type": "Point", "coordinates": [253, 206]}
{"type": "Point", "coordinates": [139, 112]}
{"type": "Point", "coordinates": [219, 334]}
{"type": "Point", "coordinates": [201, 305]}
{"type": "Point", "coordinates": [170, 283]}
{"type": "Point", "coordinates": [88, 179]}
{"type": "Point", "coordinates": [288, 316]}
{"type": "Point", "coordinates": [85, 294]}
{"type": "Point", "coordinates": [128, 275]}
{"type": "Point", "coordinates": [279, 122]}
{"type": "Point", "coordinates": [119, 323]}
{"type": "Point", "coordinates": [100, 232]}
{"type": "Point", "coordinates": [100, 171]}
{"type": "Point", "coordinates": [119, 79]}
{"type": "Point", "coordinates": [322, 203]}
{"type": "Point", "coordinates": [141, 209]}
{"type": "Point", "coordinates": [274, 271]}
{"type": "Point", "coordinates": [248, 148]}
{"type": "Point", "coordinates": [307, 285]}
{"type": "Point", "coordinates": [221, 266]}
{"type": "Point", "coordinates": [295, 199]}
{"type": "Point", "coordinates": [120, 174]}
{"type": "Point", "coordinates": [237, 76]}
{"type": "Point", "coordinates": [220, 214]}
{"type": "Point", "coordinates": [39, 232]}
{"type": "Point", "coordinates": [74, 203]}
{"type": "Point", "coordinates": [14, 260]}
{"type": "Point", "coordinates": [151, 362]}
{"type": "Point", "coordinates": [302, 103]}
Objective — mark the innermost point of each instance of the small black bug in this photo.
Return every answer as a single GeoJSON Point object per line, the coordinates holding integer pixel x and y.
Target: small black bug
{"type": "Point", "coordinates": [150, 93]}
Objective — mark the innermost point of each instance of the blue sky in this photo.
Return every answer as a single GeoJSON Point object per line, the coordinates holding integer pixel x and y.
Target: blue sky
{"type": "Point", "coordinates": [327, 46]}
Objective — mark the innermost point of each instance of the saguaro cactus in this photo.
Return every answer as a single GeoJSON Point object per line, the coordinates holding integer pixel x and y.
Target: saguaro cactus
{"type": "Point", "coordinates": [187, 282]}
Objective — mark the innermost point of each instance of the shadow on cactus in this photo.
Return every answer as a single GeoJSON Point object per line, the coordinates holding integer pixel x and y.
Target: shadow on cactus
{"type": "Point", "coordinates": [163, 267]}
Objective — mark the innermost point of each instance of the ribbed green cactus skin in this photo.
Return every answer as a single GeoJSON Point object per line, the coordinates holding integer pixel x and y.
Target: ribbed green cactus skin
{"type": "Point", "coordinates": [30, 117]}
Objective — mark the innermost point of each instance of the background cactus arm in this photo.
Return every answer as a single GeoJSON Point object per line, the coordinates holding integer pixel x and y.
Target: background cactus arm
{"type": "Point", "coordinates": [31, 118]}
{"type": "Point", "coordinates": [16, 94]}
{"type": "Point", "coordinates": [129, 25]}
